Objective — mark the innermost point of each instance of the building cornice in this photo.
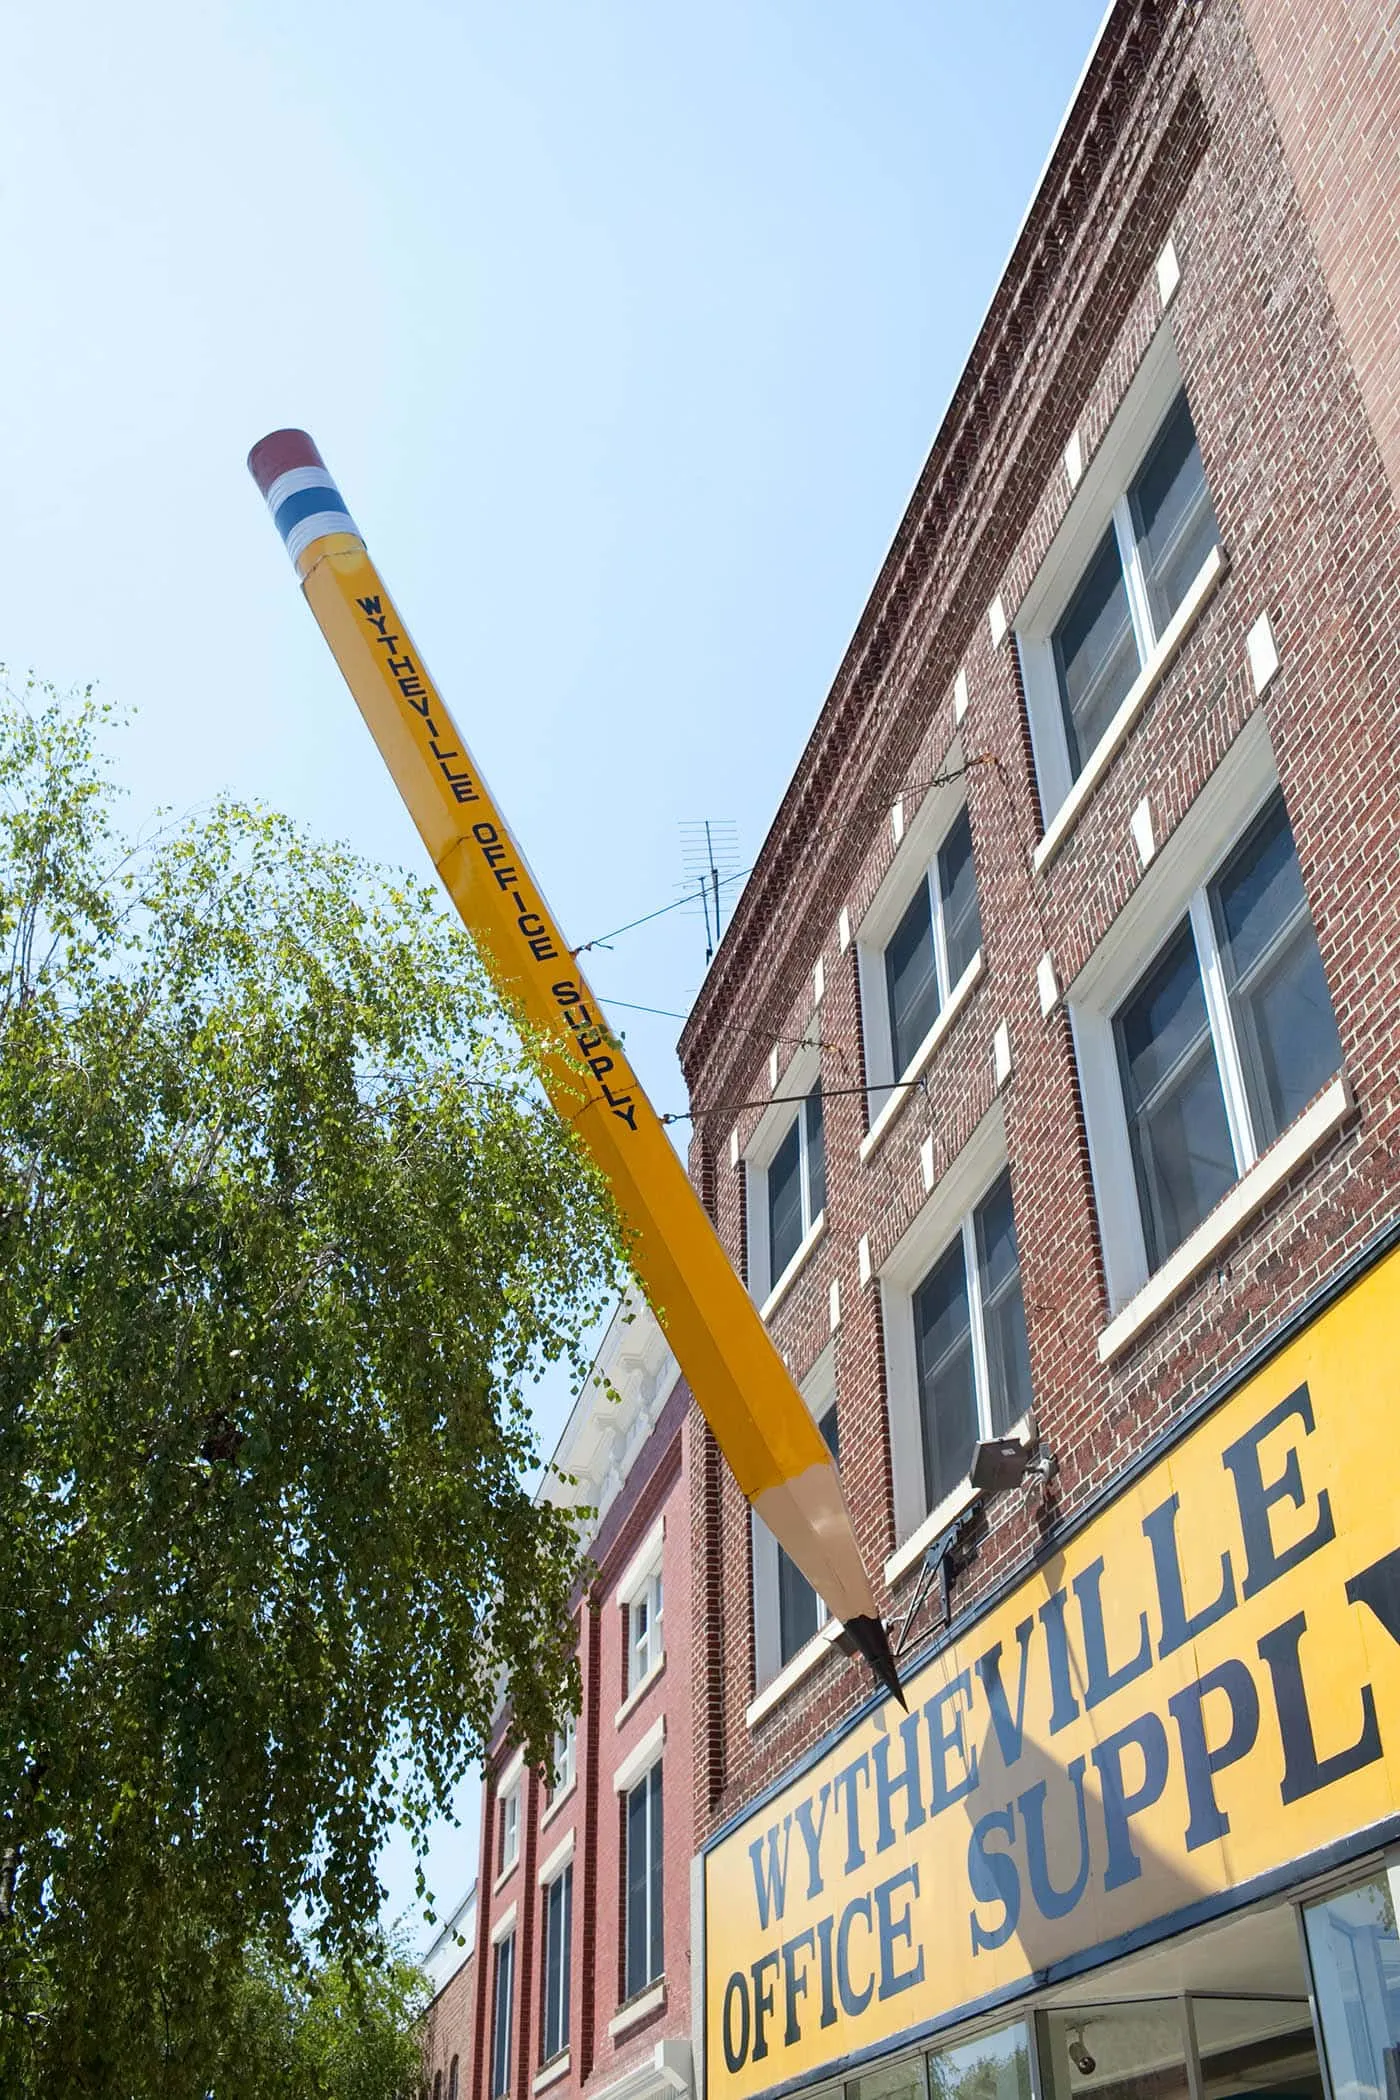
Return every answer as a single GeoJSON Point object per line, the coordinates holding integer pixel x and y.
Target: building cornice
{"type": "Point", "coordinates": [944, 546]}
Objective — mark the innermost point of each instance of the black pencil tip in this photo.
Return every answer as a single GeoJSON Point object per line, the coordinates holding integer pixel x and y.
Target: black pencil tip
{"type": "Point", "coordinates": [872, 1639]}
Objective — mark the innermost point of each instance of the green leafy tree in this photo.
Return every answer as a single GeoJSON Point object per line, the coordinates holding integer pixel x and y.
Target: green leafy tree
{"type": "Point", "coordinates": [324, 2032]}
{"type": "Point", "coordinates": [286, 1229]}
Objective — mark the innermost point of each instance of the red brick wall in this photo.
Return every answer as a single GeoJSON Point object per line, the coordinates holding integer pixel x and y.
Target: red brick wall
{"type": "Point", "coordinates": [657, 1486]}
{"type": "Point", "coordinates": [1173, 135]}
{"type": "Point", "coordinates": [1331, 69]}
{"type": "Point", "coordinates": [449, 2032]}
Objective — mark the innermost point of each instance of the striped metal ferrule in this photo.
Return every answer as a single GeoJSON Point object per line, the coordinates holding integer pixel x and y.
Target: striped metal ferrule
{"type": "Point", "coordinates": [304, 501]}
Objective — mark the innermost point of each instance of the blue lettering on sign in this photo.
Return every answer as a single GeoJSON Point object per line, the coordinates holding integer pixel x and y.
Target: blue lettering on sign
{"type": "Point", "coordinates": [1037, 1855]}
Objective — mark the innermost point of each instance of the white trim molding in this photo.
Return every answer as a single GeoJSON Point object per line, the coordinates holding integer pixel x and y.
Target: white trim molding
{"type": "Point", "coordinates": [558, 1859]}
{"type": "Point", "coordinates": [641, 1757]}
{"type": "Point", "coordinates": [558, 1800]}
{"type": "Point", "coordinates": [552, 2072]}
{"type": "Point", "coordinates": [667, 2070]}
{"type": "Point", "coordinates": [792, 1673]}
{"type": "Point", "coordinates": [794, 1268]}
{"type": "Point", "coordinates": [899, 1093]}
{"type": "Point", "coordinates": [638, 2009]}
{"type": "Point", "coordinates": [1134, 701]}
{"type": "Point", "coordinates": [639, 1690]}
{"type": "Point", "coordinates": [1253, 1189]}
{"type": "Point", "coordinates": [644, 1562]}
{"type": "Point", "coordinates": [504, 1926]}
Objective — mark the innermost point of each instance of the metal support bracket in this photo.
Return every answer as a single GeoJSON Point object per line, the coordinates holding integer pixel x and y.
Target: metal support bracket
{"type": "Point", "coordinates": [937, 1563]}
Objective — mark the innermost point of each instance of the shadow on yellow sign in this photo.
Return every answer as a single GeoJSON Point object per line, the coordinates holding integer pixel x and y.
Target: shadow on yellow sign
{"type": "Point", "coordinates": [1201, 1689]}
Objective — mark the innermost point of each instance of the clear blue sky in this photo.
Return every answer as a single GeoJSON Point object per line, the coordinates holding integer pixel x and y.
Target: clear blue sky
{"type": "Point", "coordinates": [625, 329]}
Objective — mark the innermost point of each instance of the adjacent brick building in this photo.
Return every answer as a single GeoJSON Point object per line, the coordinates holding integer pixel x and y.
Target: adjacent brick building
{"type": "Point", "coordinates": [1069, 974]}
{"type": "Point", "coordinates": [576, 1979]}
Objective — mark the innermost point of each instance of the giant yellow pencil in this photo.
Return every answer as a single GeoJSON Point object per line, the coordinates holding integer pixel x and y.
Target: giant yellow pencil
{"type": "Point", "coordinates": [759, 1419]}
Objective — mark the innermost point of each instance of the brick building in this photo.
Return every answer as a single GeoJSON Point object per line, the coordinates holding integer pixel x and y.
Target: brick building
{"type": "Point", "coordinates": [450, 1965]}
{"type": "Point", "coordinates": [1069, 973]}
{"type": "Point", "coordinates": [577, 1980]}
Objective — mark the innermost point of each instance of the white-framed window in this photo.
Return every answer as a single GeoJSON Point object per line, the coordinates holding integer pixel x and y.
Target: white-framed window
{"type": "Point", "coordinates": [1208, 1029]}
{"type": "Point", "coordinates": [641, 1602]}
{"type": "Point", "coordinates": [1135, 543]}
{"type": "Point", "coordinates": [508, 1835]}
{"type": "Point", "coordinates": [558, 1958]}
{"type": "Point", "coordinates": [502, 2013]}
{"type": "Point", "coordinates": [643, 1947]}
{"type": "Point", "coordinates": [972, 1363]}
{"type": "Point", "coordinates": [919, 941]}
{"type": "Point", "coordinates": [645, 1641]}
{"type": "Point", "coordinates": [786, 1170]}
{"type": "Point", "coordinates": [787, 1610]}
{"type": "Point", "coordinates": [565, 1757]}
{"type": "Point", "coordinates": [956, 1351]}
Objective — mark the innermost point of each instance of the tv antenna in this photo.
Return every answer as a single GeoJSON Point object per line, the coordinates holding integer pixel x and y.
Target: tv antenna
{"type": "Point", "coordinates": [710, 857]}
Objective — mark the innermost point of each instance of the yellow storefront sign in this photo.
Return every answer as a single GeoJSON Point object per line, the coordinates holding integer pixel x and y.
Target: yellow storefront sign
{"type": "Point", "coordinates": [1200, 1690]}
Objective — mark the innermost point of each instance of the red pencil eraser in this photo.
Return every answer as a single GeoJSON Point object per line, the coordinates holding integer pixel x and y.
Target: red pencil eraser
{"type": "Point", "coordinates": [278, 453]}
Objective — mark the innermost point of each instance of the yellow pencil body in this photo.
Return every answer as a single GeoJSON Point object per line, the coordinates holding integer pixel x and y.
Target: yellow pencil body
{"type": "Point", "coordinates": [759, 1419]}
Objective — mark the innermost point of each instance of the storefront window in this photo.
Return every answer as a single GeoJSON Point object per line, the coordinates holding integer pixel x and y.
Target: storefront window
{"type": "Point", "coordinates": [905, 2080]}
{"type": "Point", "coordinates": [1119, 2052]}
{"type": "Point", "coordinates": [1256, 2045]}
{"type": "Point", "coordinates": [1355, 1954]}
{"type": "Point", "coordinates": [991, 2067]}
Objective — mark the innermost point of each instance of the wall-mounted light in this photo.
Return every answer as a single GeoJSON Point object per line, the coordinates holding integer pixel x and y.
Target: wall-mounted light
{"type": "Point", "coordinates": [1004, 1462]}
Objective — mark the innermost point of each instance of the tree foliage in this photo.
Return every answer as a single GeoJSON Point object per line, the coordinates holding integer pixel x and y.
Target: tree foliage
{"type": "Point", "coordinates": [285, 1231]}
{"type": "Point", "coordinates": [323, 2032]}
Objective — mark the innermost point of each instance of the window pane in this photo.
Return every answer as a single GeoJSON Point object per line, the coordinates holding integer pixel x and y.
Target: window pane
{"type": "Point", "coordinates": [1096, 653]}
{"type": "Point", "coordinates": [1003, 1309]}
{"type": "Point", "coordinates": [993, 2067]}
{"type": "Point", "coordinates": [947, 1394]}
{"type": "Point", "coordinates": [1172, 514]}
{"type": "Point", "coordinates": [510, 1830]}
{"type": "Point", "coordinates": [798, 1617]}
{"type": "Point", "coordinates": [799, 1614]}
{"type": "Point", "coordinates": [567, 1954]}
{"type": "Point", "coordinates": [911, 978]}
{"type": "Point", "coordinates": [500, 2049]}
{"type": "Point", "coordinates": [639, 1626]}
{"type": "Point", "coordinates": [816, 1155]}
{"type": "Point", "coordinates": [1356, 1977]}
{"type": "Point", "coordinates": [902, 2081]}
{"type": "Point", "coordinates": [558, 1937]}
{"type": "Point", "coordinates": [654, 1890]}
{"type": "Point", "coordinates": [644, 1946]}
{"type": "Point", "coordinates": [784, 1204]}
{"type": "Point", "coordinates": [1131, 2050]}
{"type": "Point", "coordinates": [1182, 1154]}
{"type": "Point", "coordinates": [957, 888]}
{"type": "Point", "coordinates": [1279, 1002]}
{"type": "Point", "coordinates": [637, 1879]}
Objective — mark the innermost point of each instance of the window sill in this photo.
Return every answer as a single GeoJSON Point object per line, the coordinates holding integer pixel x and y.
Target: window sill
{"type": "Point", "coordinates": [557, 1801]}
{"type": "Point", "coordinates": [557, 2068]}
{"type": "Point", "coordinates": [1327, 1112]}
{"type": "Point", "coordinates": [638, 1693]}
{"type": "Point", "coordinates": [792, 1673]}
{"type": "Point", "coordinates": [917, 1544]}
{"type": "Point", "coordinates": [551, 1868]}
{"type": "Point", "coordinates": [1133, 703]}
{"type": "Point", "coordinates": [957, 1000]}
{"type": "Point", "coordinates": [641, 1757]}
{"type": "Point", "coordinates": [947, 1511]}
{"type": "Point", "coordinates": [504, 1876]}
{"type": "Point", "coordinates": [637, 2009]}
{"type": "Point", "coordinates": [790, 1273]}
